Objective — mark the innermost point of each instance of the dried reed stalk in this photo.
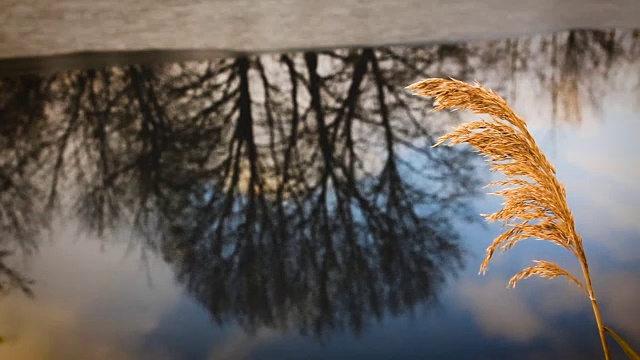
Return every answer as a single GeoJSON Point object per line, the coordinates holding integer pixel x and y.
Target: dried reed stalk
{"type": "Point", "coordinates": [535, 203]}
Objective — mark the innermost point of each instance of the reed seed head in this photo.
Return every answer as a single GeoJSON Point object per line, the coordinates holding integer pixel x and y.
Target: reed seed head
{"type": "Point", "coordinates": [535, 202]}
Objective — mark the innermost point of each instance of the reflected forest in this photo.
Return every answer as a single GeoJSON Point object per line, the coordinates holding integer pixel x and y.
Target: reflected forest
{"type": "Point", "coordinates": [291, 191]}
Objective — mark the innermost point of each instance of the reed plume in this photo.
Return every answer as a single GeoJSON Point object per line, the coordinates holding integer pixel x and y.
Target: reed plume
{"type": "Point", "coordinates": [535, 201]}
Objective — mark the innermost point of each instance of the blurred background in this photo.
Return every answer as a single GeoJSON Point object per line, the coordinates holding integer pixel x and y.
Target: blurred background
{"type": "Point", "coordinates": [251, 180]}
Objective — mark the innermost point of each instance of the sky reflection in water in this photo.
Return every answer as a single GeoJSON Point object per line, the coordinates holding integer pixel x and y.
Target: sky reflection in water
{"type": "Point", "coordinates": [289, 206]}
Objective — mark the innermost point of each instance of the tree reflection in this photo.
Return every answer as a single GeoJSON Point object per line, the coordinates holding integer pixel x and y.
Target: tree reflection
{"type": "Point", "coordinates": [570, 68]}
{"type": "Point", "coordinates": [23, 104]}
{"type": "Point", "coordinates": [284, 194]}
{"type": "Point", "coordinates": [315, 218]}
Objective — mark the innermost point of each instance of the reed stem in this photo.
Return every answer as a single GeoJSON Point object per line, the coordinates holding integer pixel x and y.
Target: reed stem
{"type": "Point", "coordinates": [596, 309]}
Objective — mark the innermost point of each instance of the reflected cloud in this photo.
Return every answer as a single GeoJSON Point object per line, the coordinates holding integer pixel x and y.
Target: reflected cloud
{"type": "Point", "coordinates": [610, 211]}
{"type": "Point", "coordinates": [72, 315]}
{"type": "Point", "coordinates": [64, 335]}
{"type": "Point", "coordinates": [241, 344]}
{"type": "Point", "coordinates": [559, 297]}
{"type": "Point", "coordinates": [501, 313]}
{"type": "Point", "coordinates": [614, 156]}
{"type": "Point", "coordinates": [619, 297]}
{"type": "Point", "coordinates": [540, 308]}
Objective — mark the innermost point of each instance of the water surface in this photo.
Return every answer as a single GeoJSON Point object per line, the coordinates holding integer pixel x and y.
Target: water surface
{"type": "Point", "coordinates": [290, 206]}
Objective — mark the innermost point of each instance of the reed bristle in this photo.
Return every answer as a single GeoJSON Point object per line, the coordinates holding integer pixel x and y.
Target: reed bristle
{"type": "Point", "coordinates": [535, 201]}
{"type": "Point", "coordinates": [544, 269]}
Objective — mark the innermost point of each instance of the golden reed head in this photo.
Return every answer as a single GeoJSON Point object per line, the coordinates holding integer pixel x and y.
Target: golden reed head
{"type": "Point", "coordinates": [535, 202]}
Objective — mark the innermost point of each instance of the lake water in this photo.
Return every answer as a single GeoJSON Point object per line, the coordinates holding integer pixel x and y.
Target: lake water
{"type": "Point", "coordinates": [290, 206]}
